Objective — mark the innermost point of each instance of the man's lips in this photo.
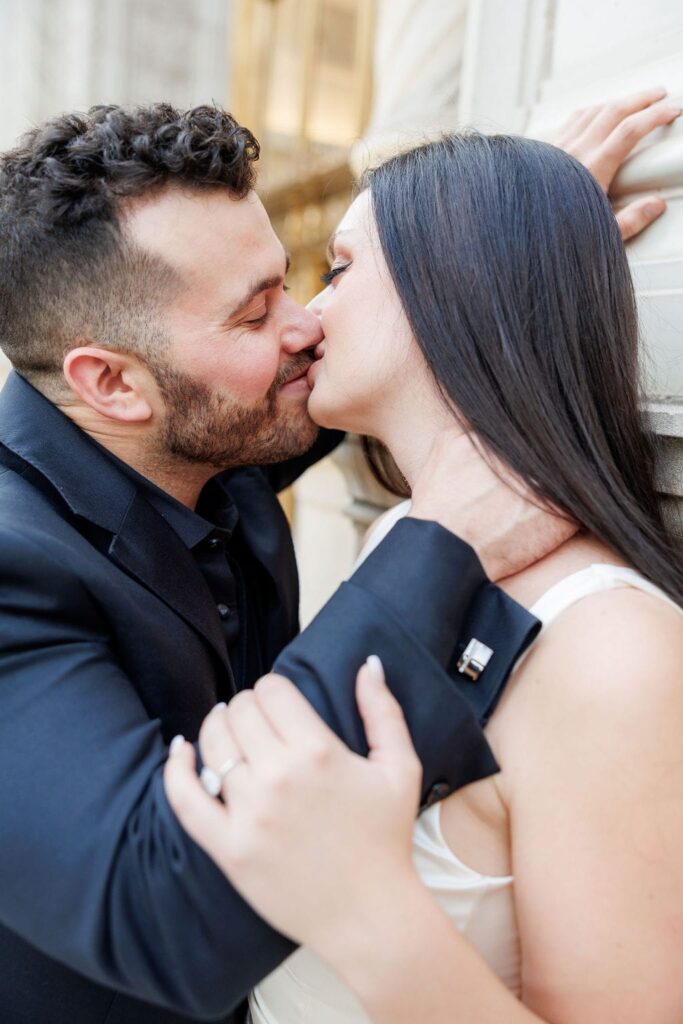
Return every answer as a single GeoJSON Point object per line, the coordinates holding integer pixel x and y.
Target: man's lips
{"type": "Point", "coordinates": [302, 372]}
{"type": "Point", "coordinates": [297, 376]}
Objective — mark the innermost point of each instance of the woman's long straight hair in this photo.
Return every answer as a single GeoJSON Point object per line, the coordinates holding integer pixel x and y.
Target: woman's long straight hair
{"type": "Point", "coordinates": [512, 272]}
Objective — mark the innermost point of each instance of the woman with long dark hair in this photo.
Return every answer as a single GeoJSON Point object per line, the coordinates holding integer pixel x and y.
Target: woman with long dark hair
{"type": "Point", "coordinates": [480, 284]}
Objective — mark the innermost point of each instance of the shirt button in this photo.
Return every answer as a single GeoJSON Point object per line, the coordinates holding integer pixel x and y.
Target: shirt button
{"type": "Point", "coordinates": [223, 610]}
{"type": "Point", "coordinates": [439, 791]}
{"type": "Point", "coordinates": [215, 543]}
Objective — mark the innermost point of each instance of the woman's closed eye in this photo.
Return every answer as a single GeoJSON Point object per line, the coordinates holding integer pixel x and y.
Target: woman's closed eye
{"type": "Point", "coordinates": [329, 277]}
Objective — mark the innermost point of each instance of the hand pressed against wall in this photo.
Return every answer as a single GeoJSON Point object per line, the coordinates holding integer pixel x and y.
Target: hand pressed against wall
{"type": "Point", "coordinates": [601, 137]}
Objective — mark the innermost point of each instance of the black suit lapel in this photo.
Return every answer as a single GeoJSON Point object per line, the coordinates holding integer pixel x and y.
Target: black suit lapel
{"type": "Point", "coordinates": [147, 548]}
{"type": "Point", "coordinates": [268, 535]}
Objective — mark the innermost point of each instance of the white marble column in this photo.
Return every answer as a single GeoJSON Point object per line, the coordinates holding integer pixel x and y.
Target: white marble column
{"type": "Point", "coordinates": [417, 59]}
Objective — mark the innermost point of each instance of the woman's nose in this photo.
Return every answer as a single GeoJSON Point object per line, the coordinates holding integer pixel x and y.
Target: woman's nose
{"type": "Point", "coordinates": [319, 301]}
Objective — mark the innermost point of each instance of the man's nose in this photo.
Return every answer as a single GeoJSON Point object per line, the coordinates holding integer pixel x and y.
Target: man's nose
{"type": "Point", "coordinates": [304, 331]}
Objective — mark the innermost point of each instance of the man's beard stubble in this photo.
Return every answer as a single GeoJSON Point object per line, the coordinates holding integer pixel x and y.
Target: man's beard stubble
{"type": "Point", "coordinates": [204, 427]}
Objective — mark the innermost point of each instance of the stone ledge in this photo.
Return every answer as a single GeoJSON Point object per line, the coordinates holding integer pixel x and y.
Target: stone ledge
{"type": "Point", "coordinates": [670, 466]}
{"type": "Point", "coordinates": [666, 418]}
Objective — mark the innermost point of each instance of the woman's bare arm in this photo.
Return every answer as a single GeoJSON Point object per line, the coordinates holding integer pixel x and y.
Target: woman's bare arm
{"type": "Point", "coordinates": [319, 839]}
{"type": "Point", "coordinates": [597, 814]}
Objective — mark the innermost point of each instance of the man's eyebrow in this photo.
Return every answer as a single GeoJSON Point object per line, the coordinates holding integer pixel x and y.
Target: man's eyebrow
{"type": "Point", "coordinates": [263, 285]}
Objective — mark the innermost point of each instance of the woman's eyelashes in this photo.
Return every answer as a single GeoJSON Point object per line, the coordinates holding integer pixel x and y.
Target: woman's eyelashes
{"type": "Point", "coordinates": [329, 277]}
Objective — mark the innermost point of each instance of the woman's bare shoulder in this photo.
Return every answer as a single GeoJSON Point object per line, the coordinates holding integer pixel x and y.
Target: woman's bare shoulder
{"type": "Point", "coordinates": [612, 662]}
{"type": "Point", "coordinates": [620, 633]}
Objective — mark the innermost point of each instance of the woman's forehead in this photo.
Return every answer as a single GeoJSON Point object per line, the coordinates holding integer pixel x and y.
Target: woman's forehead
{"type": "Point", "coordinates": [358, 219]}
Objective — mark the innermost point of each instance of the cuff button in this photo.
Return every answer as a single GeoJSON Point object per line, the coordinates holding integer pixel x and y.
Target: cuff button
{"type": "Point", "coordinates": [438, 792]}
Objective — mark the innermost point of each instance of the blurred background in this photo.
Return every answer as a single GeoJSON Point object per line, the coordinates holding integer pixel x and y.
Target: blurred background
{"type": "Point", "coordinates": [329, 86]}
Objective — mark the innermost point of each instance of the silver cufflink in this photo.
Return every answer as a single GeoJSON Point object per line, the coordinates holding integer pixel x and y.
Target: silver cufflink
{"type": "Point", "coordinates": [474, 659]}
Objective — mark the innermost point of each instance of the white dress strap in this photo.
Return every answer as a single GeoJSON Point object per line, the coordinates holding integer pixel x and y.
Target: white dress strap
{"type": "Point", "coordinates": [594, 578]}
{"type": "Point", "coordinates": [379, 531]}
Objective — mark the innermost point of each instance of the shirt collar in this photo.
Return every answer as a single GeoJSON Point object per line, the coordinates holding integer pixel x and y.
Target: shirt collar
{"type": "Point", "coordinates": [93, 482]}
{"type": "Point", "coordinates": [218, 511]}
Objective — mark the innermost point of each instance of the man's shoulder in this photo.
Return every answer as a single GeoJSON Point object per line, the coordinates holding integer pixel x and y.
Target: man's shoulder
{"type": "Point", "coordinates": [33, 526]}
{"type": "Point", "coordinates": [21, 499]}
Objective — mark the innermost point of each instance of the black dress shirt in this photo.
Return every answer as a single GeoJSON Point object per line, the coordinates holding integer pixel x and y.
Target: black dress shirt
{"type": "Point", "coordinates": [213, 534]}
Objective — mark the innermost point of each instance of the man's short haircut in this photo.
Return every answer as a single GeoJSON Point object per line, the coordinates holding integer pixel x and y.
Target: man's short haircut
{"type": "Point", "coordinates": [68, 275]}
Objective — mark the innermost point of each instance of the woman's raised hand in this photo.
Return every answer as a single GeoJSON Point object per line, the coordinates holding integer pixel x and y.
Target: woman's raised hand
{"type": "Point", "coordinates": [601, 137]}
{"type": "Point", "coordinates": [310, 834]}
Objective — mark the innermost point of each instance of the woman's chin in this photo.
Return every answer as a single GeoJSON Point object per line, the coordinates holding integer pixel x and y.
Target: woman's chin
{"type": "Point", "coordinates": [323, 414]}
{"type": "Point", "coordinates": [325, 410]}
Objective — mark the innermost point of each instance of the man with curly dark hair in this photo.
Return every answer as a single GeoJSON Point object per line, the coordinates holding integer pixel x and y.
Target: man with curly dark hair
{"type": "Point", "coordinates": [157, 403]}
{"type": "Point", "coordinates": [93, 255]}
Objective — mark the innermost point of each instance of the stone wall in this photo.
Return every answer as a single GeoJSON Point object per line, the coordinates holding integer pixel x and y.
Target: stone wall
{"type": "Point", "coordinates": [59, 55]}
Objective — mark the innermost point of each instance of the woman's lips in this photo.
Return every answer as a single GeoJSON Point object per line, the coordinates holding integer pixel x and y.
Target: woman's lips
{"type": "Point", "coordinates": [318, 352]}
{"type": "Point", "coordinates": [312, 371]}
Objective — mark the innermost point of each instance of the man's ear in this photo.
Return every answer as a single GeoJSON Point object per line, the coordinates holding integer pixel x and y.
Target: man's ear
{"type": "Point", "coordinates": [114, 384]}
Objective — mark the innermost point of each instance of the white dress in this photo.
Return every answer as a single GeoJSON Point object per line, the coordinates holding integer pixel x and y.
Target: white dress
{"type": "Point", "coordinates": [304, 990]}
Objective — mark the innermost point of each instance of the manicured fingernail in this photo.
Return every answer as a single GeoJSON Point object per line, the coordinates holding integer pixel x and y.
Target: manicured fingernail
{"type": "Point", "coordinates": [221, 704]}
{"type": "Point", "coordinates": [653, 209]}
{"type": "Point", "coordinates": [176, 743]}
{"type": "Point", "coordinates": [376, 668]}
{"type": "Point", "coordinates": [268, 682]}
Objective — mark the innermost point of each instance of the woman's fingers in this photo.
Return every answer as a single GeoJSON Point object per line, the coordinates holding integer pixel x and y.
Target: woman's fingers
{"type": "Point", "coordinates": [290, 713]}
{"type": "Point", "coordinates": [575, 125]}
{"type": "Point", "coordinates": [607, 116]}
{"type": "Point", "coordinates": [609, 151]}
{"type": "Point", "coordinates": [204, 819]}
{"type": "Point", "coordinates": [298, 825]}
{"type": "Point", "coordinates": [385, 725]}
{"type": "Point", "coordinates": [602, 137]}
{"type": "Point", "coordinates": [589, 126]}
{"type": "Point", "coordinates": [632, 219]}
{"type": "Point", "coordinates": [217, 745]}
{"type": "Point", "coordinates": [237, 730]}
{"type": "Point", "coordinates": [252, 730]}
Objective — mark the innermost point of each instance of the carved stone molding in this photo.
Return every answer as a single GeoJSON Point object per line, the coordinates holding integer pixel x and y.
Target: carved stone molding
{"type": "Point", "coordinates": [368, 498]}
{"type": "Point", "coordinates": [666, 419]}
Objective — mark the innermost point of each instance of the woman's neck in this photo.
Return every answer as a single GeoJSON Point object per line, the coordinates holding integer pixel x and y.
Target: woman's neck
{"type": "Point", "coordinates": [410, 431]}
{"type": "Point", "coordinates": [409, 434]}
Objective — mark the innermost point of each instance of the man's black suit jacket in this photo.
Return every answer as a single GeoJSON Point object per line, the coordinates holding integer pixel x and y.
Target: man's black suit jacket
{"type": "Point", "coordinates": [110, 644]}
